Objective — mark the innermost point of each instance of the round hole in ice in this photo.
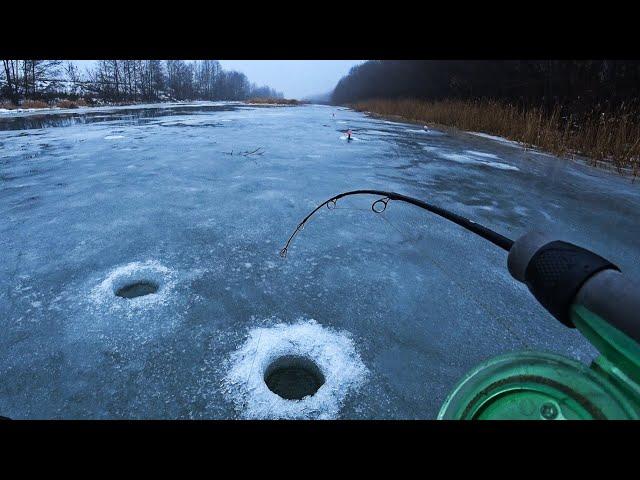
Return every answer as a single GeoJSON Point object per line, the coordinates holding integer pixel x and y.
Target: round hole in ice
{"type": "Point", "coordinates": [137, 289]}
{"type": "Point", "coordinates": [331, 351]}
{"type": "Point", "coordinates": [293, 377]}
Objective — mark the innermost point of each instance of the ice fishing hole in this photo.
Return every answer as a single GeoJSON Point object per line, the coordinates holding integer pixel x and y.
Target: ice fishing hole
{"type": "Point", "coordinates": [137, 289]}
{"type": "Point", "coordinates": [293, 377]}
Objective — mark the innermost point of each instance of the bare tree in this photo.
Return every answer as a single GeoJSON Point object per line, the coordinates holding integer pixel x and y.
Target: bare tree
{"type": "Point", "coordinates": [127, 80]}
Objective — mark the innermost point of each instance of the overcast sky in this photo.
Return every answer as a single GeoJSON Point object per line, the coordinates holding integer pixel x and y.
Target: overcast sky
{"type": "Point", "coordinates": [294, 78]}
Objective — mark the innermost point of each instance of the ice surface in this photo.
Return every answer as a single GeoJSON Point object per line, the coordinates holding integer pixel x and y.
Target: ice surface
{"type": "Point", "coordinates": [333, 352]}
{"type": "Point", "coordinates": [422, 300]}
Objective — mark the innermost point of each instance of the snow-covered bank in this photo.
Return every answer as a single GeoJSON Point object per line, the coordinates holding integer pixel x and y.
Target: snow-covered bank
{"type": "Point", "coordinates": [109, 108]}
{"type": "Point", "coordinates": [4, 111]}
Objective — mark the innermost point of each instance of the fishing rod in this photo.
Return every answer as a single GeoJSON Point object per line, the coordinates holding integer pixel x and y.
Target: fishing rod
{"type": "Point", "coordinates": [579, 288]}
{"type": "Point", "coordinates": [380, 206]}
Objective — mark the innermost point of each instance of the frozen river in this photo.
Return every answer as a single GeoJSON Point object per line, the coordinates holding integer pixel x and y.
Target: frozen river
{"type": "Point", "coordinates": [393, 308]}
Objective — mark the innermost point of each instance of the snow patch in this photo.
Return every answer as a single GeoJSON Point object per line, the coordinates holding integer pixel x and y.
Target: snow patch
{"type": "Point", "coordinates": [501, 166]}
{"type": "Point", "coordinates": [460, 158]}
{"type": "Point", "coordinates": [380, 133]}
{"type": "Point", "coordinates": [430, 148]}
{"type": "Point", "coordinates": [482, 154]}
{"type": "Point", "coordinates": [114, 137]}
{"type": "Point", "coordinates": [332, 351]}
{"type": "Point", "coordinates": [497, 139]}
{"type": "Point", "coordinates": [27, 110]}
{"type": "Point", "coordinates": [103, 295]}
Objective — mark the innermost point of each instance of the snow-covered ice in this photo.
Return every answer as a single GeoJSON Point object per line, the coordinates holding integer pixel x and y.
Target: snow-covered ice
{"type": "Point", "coordinates": [482, 154]}
{"type": "Point", "coordinates": [469, 159]}
{"type": "Point", "coordinates": [496, 138]}
{"type": "Point", "coordinates": [410, 299]}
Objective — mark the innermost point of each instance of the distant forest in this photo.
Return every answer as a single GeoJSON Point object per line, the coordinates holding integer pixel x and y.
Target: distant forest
{"type": "Point", "coordinates": [577, 86]}
{"type": "Point", "coordinates": [125, 81]}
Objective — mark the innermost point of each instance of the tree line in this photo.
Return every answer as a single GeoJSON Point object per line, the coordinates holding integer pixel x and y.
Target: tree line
{"type": "Point", "coordinates": [126, 81]}
{"type": "Point", "coordinates": [577, 86]}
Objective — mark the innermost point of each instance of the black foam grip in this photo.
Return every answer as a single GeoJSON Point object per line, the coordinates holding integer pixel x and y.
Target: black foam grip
{"type": "Point", "coordinates": [556, 272]}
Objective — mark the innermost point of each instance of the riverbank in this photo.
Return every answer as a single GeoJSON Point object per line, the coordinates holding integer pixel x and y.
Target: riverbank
{"type": "Point", "coordinates": [275, 101]}
{"type": "Point", "coordinates": [31, 105]}
{"type": "Point", "coordinates": [612, 142]}
{"type": "Point", "coordinates": [40, 106]}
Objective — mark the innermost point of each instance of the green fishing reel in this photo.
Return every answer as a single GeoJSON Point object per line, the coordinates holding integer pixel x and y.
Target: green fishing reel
{"type": "Point", "coordinates": [583, 291]}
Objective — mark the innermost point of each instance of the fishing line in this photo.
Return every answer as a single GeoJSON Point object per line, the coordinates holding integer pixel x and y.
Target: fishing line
{"type": "Point", "coordinates": [403, 234]}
